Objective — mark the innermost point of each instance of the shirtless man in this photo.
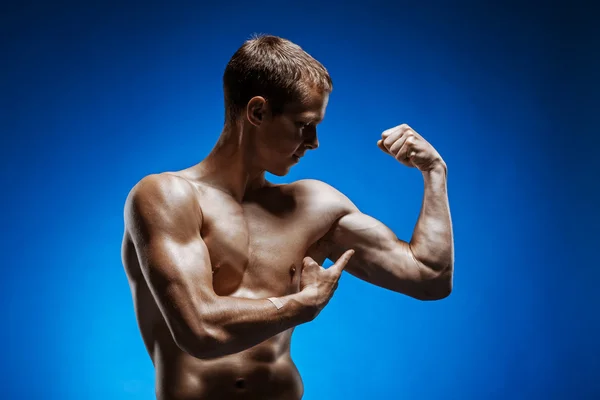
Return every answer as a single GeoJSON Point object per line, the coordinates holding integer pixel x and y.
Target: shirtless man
{"type": "Point", "coordinates": [224, 264]}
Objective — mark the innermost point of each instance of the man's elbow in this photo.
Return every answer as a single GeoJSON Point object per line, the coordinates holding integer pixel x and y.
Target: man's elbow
{"type": "Point", "coordinates": [203, 343]}
{"type": "Point", "coordinates": [437, 285]}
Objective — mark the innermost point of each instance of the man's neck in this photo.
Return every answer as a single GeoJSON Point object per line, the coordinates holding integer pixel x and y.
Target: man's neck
{"type": "Point", "coordinates": [229, 166]}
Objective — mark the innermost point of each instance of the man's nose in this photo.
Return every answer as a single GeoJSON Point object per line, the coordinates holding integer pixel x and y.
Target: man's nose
{"type": "Point", "coordinates": [312, 142]}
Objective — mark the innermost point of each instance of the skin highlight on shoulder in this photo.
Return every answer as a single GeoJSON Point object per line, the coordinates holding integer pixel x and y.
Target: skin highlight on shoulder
{"type": "Point", "coordinates": [161, 200]}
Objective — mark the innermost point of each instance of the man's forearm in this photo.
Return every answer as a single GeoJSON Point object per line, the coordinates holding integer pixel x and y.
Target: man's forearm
{"type": "Point", "coordinates": [233, 324]}
{"type": "Point", "coordinates": [432, 241]}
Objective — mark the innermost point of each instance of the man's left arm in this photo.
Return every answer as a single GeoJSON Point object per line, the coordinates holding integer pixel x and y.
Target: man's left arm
{"type": "Point", "coordinates": [421, 268]}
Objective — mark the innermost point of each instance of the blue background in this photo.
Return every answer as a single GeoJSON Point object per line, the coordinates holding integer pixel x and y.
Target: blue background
{"type": "Point", "coordinates": [94, 97]}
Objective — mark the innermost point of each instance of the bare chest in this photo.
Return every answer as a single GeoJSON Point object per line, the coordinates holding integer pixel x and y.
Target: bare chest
{"type": "Point", "coordinates": [256, 250]}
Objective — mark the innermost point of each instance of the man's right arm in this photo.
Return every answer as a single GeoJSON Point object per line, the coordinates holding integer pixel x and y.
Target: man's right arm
{"type": "Point", "coordinates": [164, 220]}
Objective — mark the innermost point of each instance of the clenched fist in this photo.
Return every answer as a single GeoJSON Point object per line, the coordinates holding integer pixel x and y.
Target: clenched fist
{"type": "Point", "coordinates": [408, 147]}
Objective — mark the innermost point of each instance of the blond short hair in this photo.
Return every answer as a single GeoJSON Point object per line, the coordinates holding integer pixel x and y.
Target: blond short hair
{"type": "Point", "coordinates": [272, 67]}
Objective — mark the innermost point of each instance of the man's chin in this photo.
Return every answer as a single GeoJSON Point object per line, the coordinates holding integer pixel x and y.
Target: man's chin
{"type": "Point", "coordinates": [281, 171]}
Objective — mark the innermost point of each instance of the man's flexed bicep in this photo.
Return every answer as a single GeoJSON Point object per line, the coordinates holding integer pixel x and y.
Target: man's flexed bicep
{"type": "Point", "coordinates": [163, 219]}
{"type": "Point", "coordinates": [380, 257]}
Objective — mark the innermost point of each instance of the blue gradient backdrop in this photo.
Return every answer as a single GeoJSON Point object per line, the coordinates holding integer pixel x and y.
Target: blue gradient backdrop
{"type": "Point", "coordinates": [94, 97]}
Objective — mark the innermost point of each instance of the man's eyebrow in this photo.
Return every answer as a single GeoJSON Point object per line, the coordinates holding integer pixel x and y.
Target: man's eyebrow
{"type": "Point", "coordinates": [313, 117]}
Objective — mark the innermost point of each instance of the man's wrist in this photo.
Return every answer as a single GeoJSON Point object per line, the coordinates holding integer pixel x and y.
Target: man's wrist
{"type": "Point", "coordinates": [302, 306]}
{"type": "Point", "coordinates": [437, 167]}
{"type": "Point", "coordinates": [293, 308]}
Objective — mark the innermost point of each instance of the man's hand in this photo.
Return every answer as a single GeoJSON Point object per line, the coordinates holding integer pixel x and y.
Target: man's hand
{"type": "Point", "coordinates": [408, 147]}
{"type": "Point", "coordinates": [318, 284]}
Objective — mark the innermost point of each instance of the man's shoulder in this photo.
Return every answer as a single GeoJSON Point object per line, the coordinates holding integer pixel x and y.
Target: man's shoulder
{"type": "Point", "coordinates": [163, 184]}
{"type": "Point", "coordinates": [323, 195]}
{"type": "Point", "coordinates": [161, 191]}
{"type": "Point", "coordinates": [316, 186]}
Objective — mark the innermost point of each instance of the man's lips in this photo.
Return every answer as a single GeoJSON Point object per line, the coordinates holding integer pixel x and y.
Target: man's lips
{"type": "Point", "coordinates": [297, 156]}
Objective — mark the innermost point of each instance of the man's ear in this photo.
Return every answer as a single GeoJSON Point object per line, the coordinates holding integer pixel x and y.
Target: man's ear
{"type": "Point", "coordinates": [257, 110]}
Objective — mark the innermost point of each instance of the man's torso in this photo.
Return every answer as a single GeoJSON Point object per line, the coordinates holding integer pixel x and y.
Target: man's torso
{"type": "Point", "coordinates": [256, 250]}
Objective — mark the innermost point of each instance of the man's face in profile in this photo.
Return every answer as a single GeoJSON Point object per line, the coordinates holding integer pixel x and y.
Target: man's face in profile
{"type": "Point", "coordinates": [283, 139]}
